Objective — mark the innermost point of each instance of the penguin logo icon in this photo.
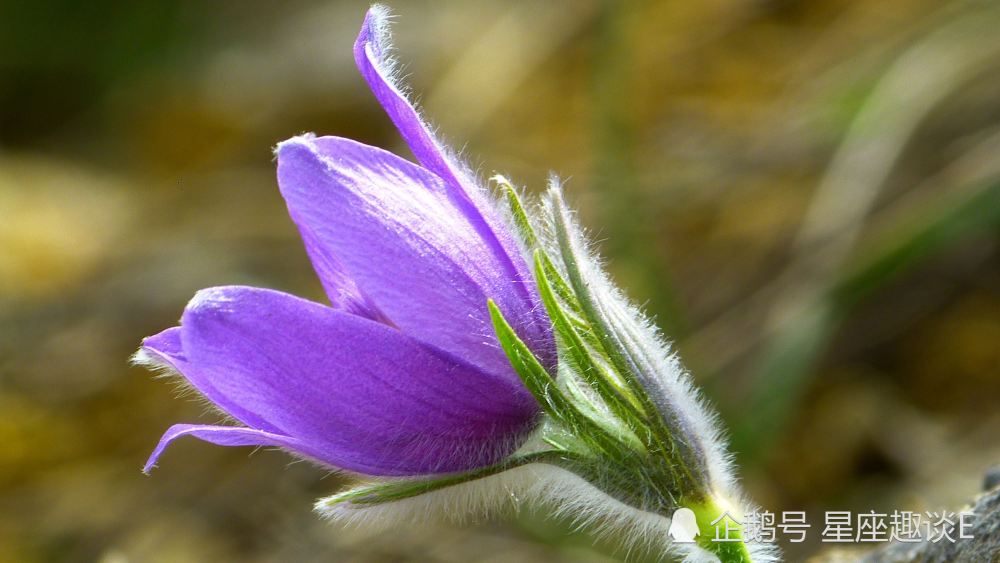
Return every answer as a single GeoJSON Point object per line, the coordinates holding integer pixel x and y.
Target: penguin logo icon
{"type": "Point", "coordinates": [683, 526]}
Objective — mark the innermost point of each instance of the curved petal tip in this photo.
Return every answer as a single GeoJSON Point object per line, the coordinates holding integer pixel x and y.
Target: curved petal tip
{"type": "Point", "coordinates": [375, 32]}
{"type": "Point", "coordinates": [222, 436]}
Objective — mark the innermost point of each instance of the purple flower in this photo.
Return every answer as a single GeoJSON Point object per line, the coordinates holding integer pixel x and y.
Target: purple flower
{"type": "Point", "coordinates": [402, 373]}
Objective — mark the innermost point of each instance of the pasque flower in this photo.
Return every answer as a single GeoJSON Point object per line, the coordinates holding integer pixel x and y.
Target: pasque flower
{"type": "Point", "coordinates": [472, 353]}
{"type": "Point", "coordinates": [402, 373]}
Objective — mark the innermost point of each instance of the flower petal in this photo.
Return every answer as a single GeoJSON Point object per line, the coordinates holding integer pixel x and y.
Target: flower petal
{"type": "Point", "coordinates": [391, 227]}
{"type": "Point", "coordinates": [222, 436]}
{"type": "Point", "coordinates": [371, 56]}
{"type": "Point", "coordinates": [340, 288]}
{"type": "Point", "coordinates": [351, 392]}
{"type": "Point", "coordinates": [167, 349]}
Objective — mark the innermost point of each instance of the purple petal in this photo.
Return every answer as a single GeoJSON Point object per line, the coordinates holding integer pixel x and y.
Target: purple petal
{"type": "Point", "coordinates": [223, 436]}
{"type": "Point", "coordinates": [168, 349]}
{"type": "Point", "coordinates": [390, 226]}
{"type": "Point", "coordinates": [340, 288]}
{"type": "Point", "coordinates": [370, 55]}
{"type": "Point", "coordinates": [370, 50]}
{"type": "Point", "coordinates": [347, 391]}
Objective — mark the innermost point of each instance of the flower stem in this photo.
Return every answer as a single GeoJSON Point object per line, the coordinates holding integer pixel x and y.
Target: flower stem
{"type": "Point", "coordinates": [712, 515]}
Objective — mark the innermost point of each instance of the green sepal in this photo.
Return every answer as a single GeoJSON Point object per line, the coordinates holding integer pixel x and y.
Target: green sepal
{"type": "Point", "coordinates": [549, 271]}
{"type": "Point", "coordinates": [625, 359]}
{"type": "Point", "coordinates": [517, 212]}
{"type": "Point", "coordinates": [546, 391]}
{"type": "Point", "coordinates": [590, 310]}
{"type": "Point", "coordinates": [619, 399]}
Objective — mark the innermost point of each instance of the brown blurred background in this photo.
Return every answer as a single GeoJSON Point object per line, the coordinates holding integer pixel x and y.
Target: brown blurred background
{"type": "Point", "coordinates": [806, 194]}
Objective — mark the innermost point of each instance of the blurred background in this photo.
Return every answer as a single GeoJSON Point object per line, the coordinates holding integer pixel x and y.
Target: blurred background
{"type": "Point", "coordinates": [805, 194]}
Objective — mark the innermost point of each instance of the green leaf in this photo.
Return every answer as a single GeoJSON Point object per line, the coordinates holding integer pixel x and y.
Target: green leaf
{"type": "Point", "coordinates": [389, 491]}
{"type": "Point", "coordinates": [625, 359]}
{"type": "Point", "coordinates": [565, 293]}
{"type": "Point", "coordinates": [591, 311]}
{"type": "Point", "coordinates": [548, 270]}
{"type": "Point", "coordinates": [619, 399]}
{"type": "Point", "coordinates": [538, 381]}
{"type": "Point", "coordinates": [545, 389]}
{"type": "Point", "coordinates": [517, 212]}
{"type": "Point", "coordinates": [621, 359]}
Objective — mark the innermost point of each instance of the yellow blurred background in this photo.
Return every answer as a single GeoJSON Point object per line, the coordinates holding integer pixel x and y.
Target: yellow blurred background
{"type": "Point", "coordinates": [806, 195]}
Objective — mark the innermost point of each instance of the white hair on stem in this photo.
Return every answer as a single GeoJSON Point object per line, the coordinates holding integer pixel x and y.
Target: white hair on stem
{"type": "Point", "coordinates": [562, 495]}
